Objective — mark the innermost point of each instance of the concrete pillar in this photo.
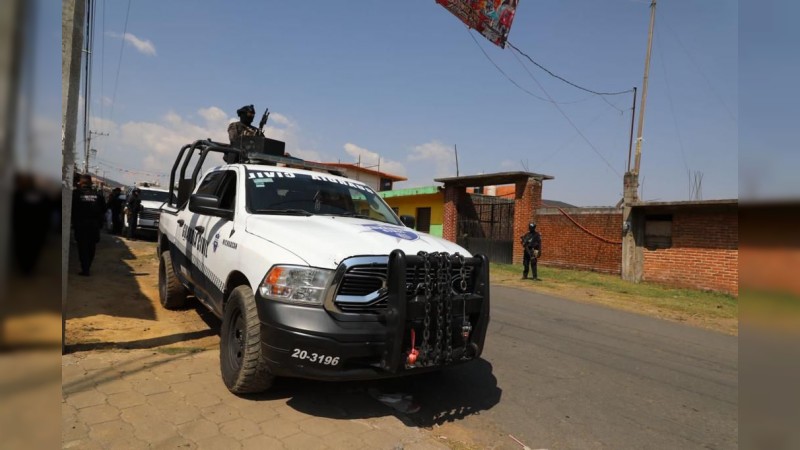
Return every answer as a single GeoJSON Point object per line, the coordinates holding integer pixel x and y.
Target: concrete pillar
{"type": "Point", "coordinates": [632, 232]}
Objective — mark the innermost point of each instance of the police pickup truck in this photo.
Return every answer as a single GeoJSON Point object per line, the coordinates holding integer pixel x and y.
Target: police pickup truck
{"type": "Point", "coordinates": [312, 274]}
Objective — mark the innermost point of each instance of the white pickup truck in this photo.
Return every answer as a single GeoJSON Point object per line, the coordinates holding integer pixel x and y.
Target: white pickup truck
{"type": "Point", "coordinates": [313, 275]}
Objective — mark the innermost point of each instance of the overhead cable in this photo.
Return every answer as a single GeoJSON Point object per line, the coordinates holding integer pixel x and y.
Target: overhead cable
{"type": "Point", "coordinates": [562, 78]}
{"type": "Point", "coordinates": [577, 129]}
{"type": "Point", "coordinates": [119, 63]}
{"type": "Point", "coordinates": [514, 82]}
{"type": "Point", "coordinates": [602, 97]}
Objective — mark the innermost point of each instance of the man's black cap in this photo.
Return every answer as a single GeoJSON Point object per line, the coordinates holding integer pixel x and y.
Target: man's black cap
{"type": "Point", "coordinates": [246, 109]}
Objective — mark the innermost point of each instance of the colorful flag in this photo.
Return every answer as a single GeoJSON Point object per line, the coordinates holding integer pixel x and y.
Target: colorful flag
{"type": "Point", "coordinates": [491, 18]}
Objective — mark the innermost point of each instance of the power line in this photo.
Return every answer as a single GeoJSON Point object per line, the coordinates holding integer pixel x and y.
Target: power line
{"type": "Point", "coordinates": [102, 60]}
{"type": "Point", "coordinates": [564, 79]}
{"type": "Point", "coordinates": [514, 82]}
{"type": "Point", "coordinates": [102, 162]}
{"type": "Point", "coordinates": [672, 107]}
{"type": "Point", "coordinates": [119, 63]}
{"type": "Point", "coordinates": [577, 129]}
{"type": "Point", "coordinates": [700, 71]}
{"type": "Point", "coordinates": [549, 100]}
{"type": "Point", "coordinates": [602, 97]}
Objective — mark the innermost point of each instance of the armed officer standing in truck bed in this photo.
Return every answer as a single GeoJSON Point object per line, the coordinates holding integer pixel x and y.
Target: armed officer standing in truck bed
{"type": "Point", "coordinates": [244, 127]}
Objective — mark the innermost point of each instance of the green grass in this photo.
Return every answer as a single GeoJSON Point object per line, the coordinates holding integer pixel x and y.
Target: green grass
{"type": "Point", "coordinates": [690, 302]}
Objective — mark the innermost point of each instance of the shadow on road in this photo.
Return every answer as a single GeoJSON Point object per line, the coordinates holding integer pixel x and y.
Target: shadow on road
{"type": "Point", "coordinates": [112, 289]}
{"type": "Point", "coordinates": [446, 396]}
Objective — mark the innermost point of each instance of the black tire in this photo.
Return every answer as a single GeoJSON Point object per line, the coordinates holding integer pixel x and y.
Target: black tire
{"type": "Point", "coordinates": [170, 290]}
{"type": "Point", "coordinates": [244, 367]}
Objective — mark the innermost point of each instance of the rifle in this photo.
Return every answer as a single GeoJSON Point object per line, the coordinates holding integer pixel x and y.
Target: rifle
{"type": "Point", "coordinates": [263, 121]}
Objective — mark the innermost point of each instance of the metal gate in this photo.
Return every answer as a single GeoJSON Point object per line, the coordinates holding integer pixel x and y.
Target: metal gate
{"type": "Point", "coordinates": [486, 225]}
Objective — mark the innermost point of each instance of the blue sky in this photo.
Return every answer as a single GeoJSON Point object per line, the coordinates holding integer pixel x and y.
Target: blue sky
{"type": "Point", "coordinates": [406, 82]}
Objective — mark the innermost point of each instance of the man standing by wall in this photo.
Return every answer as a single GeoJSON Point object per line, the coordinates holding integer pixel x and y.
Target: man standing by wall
{"type": "Point", "coordinates": [532, 245]}
{"type": "Point", "coordinates": [88, 208]}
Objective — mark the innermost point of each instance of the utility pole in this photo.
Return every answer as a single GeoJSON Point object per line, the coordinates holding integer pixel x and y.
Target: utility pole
{"type": "Point", "coordinates": [632, 256]}
{"type": "Point", "coordinates": [88, 151]}
{"type": "Point", "coordinates": [644, 87]}
{"type": "Point", "coordinates": [455, 148]}
{"type": "Point", "coordinates": [72, 16]}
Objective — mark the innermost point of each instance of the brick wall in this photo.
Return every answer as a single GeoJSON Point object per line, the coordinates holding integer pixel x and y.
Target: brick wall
{"type": "Point", "coordinates": [566, 245]}
{"type": "Point", "coordinates": [527, 198]}
{"type": "Point", "coordinates": [704, 252]}
{"type": "Point", "coordinates": [452, 196]}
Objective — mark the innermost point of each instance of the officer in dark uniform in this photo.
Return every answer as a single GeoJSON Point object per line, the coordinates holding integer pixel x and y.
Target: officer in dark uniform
{"type": "Point", "coordinates": [132, 209]}
{"type": "Point", "coordinates": [88, 208]}
{"type": "Point", "coordinates": [116, 205]}
{"type": "Point", "coordinates": [244, 127]}
{"type": "Point", "coordinates": [532, 245]}
{"type": "Point", "coordinates": [238, 130]}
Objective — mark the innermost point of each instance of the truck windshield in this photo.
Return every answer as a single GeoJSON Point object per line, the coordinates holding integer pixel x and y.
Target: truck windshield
{"type": "Point", "coordinates": [279, 192]}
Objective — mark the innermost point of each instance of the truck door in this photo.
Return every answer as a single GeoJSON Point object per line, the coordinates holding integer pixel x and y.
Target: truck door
{"type": "Point", "coordinates": [221, 254]}
{"type": "Point", "coordinates": [193, 237]}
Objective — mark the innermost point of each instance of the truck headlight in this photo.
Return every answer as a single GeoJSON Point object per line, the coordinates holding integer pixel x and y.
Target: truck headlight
{"type": "Point", "coordinates": [295, 284]}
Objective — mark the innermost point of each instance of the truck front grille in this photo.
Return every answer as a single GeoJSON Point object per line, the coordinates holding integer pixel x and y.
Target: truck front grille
{"type": "Point", "coordinates": [149, 214]}
{"type": "Point", "coordinates": [363, 288]}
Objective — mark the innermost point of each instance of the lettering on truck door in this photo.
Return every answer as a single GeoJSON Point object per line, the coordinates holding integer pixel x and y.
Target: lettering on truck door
{"type": "Point", "coordinates": [223, 241]}
{"type": "Point", "coordinates": [194, 236]}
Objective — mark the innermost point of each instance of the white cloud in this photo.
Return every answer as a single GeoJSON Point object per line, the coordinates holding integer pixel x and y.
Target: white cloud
{"type": "Point", "coordinates": [441, 155]}
{"type": "Point", "coordinates": [144, 46]}
{"type": "Point", "coordinates": [151, 146]}
{"type": "Point", "coordinates": [280, 119]}
{"type": "Point", "coordinates": [370, 159]}
{"type": "Point", "coordinates": [215, 117]}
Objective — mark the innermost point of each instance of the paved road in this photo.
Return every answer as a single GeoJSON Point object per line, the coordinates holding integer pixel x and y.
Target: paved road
{"type": "Point", "coordinates": [581, 376]}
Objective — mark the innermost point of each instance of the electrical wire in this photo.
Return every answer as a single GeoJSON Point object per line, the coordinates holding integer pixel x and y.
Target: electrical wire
{"type": "Point", "coordinates": [577, 129]}
{"type": "Point", "coordinates": [700, 71]}
{"type": "Point", "coordinates": [601, 97]}
{"type": "Point", "coordinates": [514, 82]}
{"type": "Point", "coordinates": [588, 231]}
{"type": "Point", "coordinates": [564, 79]}
{"type": "Point", "coordinates": [549, 100]}
{"type": "Point", "coordinates": [102, 61]}
{"type": "Point", "coordinates": [119, 63]}
{"type": "Point", "coordinates": [111, 165]}
{"type": "Point", "coordinates": [672, 106]}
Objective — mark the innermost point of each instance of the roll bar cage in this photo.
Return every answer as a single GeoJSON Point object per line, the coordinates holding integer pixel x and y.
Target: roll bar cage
{"type": "Point", "coordinates": [206, 146]}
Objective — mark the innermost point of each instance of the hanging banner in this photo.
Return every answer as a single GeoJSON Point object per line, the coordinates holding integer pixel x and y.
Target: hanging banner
{"type": "Point", "coordinates": [491, 18]}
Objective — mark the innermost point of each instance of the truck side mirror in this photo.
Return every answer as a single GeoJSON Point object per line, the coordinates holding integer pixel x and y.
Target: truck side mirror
{"type": "Point", "coordinates": [208, 205]}
{"type": "Point", "coordinates": [408, 221]}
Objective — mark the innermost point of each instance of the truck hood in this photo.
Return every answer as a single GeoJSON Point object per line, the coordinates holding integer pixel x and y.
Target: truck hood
{"type": "Point", "coordinates": [324, 241]}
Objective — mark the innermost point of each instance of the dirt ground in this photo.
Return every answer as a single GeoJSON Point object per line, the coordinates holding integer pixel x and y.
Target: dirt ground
{"type": "Point", "coordinates": [118, 306]}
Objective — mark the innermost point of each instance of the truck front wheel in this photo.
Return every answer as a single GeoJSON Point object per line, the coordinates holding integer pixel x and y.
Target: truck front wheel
{"type": "Point", "coordinates": [170, 290]}
{"type": "Point", "coordinates": [244, 367]}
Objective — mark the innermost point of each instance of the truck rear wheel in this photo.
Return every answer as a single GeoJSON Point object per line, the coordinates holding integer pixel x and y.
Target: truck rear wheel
{"type": "Point", "coordinates": [244, 367]}
{"type": "Point", "coordinates": [170, 290]}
